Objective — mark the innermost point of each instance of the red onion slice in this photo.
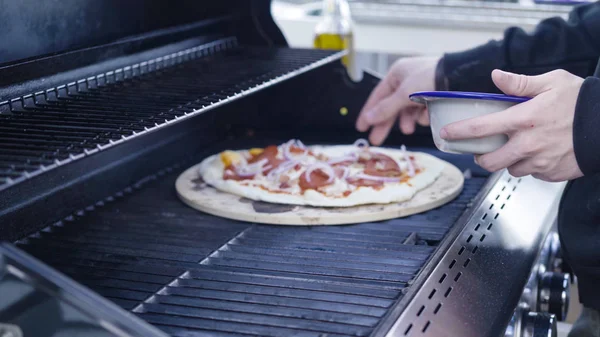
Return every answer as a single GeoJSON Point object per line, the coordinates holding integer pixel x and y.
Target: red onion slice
{"type": "Point", "coordinates": [286, 149]}
{"type": "Point", "coordinates": [361, 143]}
{"type": "Point", "coordinates": [411, 167]}
{"type": "Point", "coordinates": [285, 166]}
{"type": "Point", "coordinates": [251, 169]}
{"type": "Point", "coordinates": [245, 175]}
{"type": "Point", "coordinates": [346, 173]}
{"type": "Point", "coordinates": [326, 168]}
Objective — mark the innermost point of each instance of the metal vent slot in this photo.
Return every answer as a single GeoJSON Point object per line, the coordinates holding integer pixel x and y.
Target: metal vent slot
{"type": "Point", "coordinates": [193, 274]}
{"type": "Point", "coordinates": [68, 122]}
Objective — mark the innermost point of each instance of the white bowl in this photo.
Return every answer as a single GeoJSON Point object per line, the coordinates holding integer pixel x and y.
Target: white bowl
{"type": "Point", "coordinates": [446, 107]}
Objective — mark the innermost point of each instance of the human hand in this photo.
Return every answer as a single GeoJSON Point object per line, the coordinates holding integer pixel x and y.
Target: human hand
{"type": "Point", "coordinates": [540, 130]}
{"type": "Point", "coordinates": [389, 100]}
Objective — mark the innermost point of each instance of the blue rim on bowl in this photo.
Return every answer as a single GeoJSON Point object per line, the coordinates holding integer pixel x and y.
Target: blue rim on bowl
{"type": "Point", "coordinates": [424, 96]}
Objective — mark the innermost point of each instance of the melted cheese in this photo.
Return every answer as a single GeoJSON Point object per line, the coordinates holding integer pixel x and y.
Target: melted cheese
{"type": "Point", "coordinates": [256, 151]}
{"type": "Point", "coordinates": [230, 158]}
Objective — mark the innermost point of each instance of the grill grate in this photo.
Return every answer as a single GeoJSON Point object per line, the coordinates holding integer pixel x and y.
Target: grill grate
{"type": "Point", "coordinates": [68, 122]}
{"type": "Point", "coordinates": [192, 274]}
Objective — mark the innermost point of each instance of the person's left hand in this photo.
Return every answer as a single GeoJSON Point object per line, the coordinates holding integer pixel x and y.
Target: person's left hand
{"type": "Point", "coordinates": [540, 130]}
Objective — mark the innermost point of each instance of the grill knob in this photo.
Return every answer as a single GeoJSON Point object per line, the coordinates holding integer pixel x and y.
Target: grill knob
{"type": "Point", "coordinates": [553, 294]}
{"type": "Point", "coordinates": [552, 256]}
{"type": "Point", "coordinates": [535, 324]}
{"type": "Point", "coordinates": [555, 261]}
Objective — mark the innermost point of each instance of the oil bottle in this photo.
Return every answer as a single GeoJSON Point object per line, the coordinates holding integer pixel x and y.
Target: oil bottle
{"type": "Point", "coordinates": [334, 32]}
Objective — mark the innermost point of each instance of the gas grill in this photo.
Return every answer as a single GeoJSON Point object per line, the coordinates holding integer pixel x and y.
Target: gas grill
{"type": "Point", "coordinates": [99, 116]}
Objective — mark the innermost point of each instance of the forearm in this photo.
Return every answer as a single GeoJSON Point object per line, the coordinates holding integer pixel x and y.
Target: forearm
{"type": "Point", "coordinates": [572, 45]}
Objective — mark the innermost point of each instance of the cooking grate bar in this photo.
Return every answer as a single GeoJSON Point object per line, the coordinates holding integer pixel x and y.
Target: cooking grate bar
{"type": "Point", "coordinates": [314, 276]}
{"type": "Point", "coordinates": [407, 258]}
{"type": "Point", "coordinates": [331, 244]}
{"type": "Point", "coordinates": [188, 286]}
{"type": "Point", "coordinates": [291, 282]}
{"type": "Point", "coordinates": [353, 239]}
{"type": "Point", "coordinates": [123, 250]}
{"type": "Point", "coordinates": [398, 273]}
{"type": "Point", "coordinates": [99, 273]}
{"type": "Point", "coordinates": [258, 319]}
{"type": "Point", "coordinates": [330, 316]}
{"type": "Point", "coordinates": [182, 332]}
{"type": "Point", "coordinates": [277, 301]}
{"type": "Point", "coordinates": [232, 327]}
{"type": "Point", "coordinates": [366, 263]}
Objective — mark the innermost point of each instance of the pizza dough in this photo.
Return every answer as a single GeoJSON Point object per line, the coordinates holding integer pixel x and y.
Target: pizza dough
{"type": "Point", "coordinates": [194, 192]}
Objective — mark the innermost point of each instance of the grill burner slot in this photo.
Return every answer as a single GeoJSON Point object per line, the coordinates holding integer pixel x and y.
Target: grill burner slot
{"type": "Point", "coordinates": [187, 272]}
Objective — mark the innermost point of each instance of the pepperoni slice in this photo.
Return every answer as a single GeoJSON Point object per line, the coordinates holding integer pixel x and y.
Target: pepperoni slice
{"type": "Point", "coordinates": [270, 153]}
{"type": "Point", "coordinates": [318, 179]}
{"type": "Point", "coordinates": [381, 165]}
{"type": "Point", "coordinates": [339, 171]}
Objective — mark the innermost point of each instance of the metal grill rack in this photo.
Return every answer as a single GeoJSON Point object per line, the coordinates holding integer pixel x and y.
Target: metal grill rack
{"type": "Point", "coordinates": [186, 272]}
{"type": "Point", "coordinates": [62, 124]}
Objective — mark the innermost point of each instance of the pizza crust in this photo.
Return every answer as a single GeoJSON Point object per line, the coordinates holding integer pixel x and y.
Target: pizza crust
{"type": "Point", "coordinates": [211, 171]}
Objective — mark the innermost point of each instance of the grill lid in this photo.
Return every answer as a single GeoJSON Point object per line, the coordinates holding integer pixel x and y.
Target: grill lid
{"type": "Point", "coordinates": [31, 33]}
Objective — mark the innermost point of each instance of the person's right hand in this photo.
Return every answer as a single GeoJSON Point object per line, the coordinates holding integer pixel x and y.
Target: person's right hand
{"type": "Point", "coordinates": [389, 100]}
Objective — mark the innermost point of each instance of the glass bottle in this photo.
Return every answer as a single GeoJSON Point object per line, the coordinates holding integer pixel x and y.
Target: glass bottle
{"type": "Point", "coordinates": [334, 32]}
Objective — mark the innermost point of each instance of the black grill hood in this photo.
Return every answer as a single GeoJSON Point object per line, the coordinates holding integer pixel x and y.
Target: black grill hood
{"type": "Point", "coordinates": [91, 31]}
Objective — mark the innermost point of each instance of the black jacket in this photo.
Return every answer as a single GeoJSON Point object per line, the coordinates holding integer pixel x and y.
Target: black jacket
{"type": "Point", "coordinates": [572, 45]}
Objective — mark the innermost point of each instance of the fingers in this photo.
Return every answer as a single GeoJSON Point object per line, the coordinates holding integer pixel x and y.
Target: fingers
{"type": "Point", "coordinates": [520, 169]}
{"type": "Point", "coordinates": [388, 108]}
{"type": "Point", "coordinates": [521, 85]}
{"type": "Point", "coordinates": [503, 122]}
{"type": "Point", "coordinates": [423, 117]}
{"type": "Point", "coordinates": [381, 131]}
{"type": "Point", "coordinates": [407, 124]}
{"type": "Point", "coordinates": [382, 90]}
{"type": "Point", "coordinates": [502, 158]}
{"type": "Point", "coordinates": [407, 120]}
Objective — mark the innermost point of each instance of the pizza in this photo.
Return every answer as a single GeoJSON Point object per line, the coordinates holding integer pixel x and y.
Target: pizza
{"type": "Point", "coordinates": [321, 176]}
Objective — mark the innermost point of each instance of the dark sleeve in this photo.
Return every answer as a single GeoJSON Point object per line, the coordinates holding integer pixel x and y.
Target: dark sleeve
{"type": "Point", "coordinates": [572, 45]}
{"type": "Point", "coordinates": [586, 138]}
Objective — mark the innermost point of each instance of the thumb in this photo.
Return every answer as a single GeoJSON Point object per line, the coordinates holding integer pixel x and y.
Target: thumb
{"type": "Point", "coordinates": [521, 85]}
